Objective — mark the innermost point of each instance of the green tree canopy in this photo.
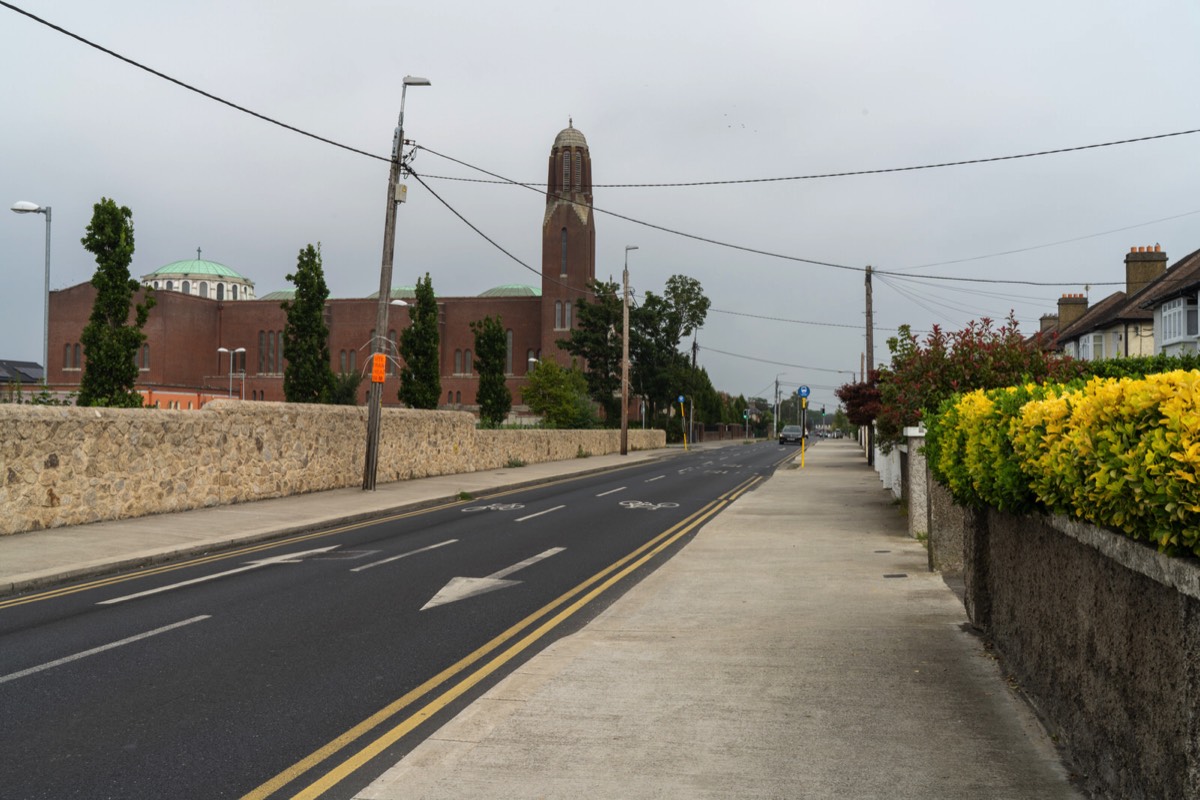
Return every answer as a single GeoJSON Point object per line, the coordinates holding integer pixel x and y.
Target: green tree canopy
{"type": "Point", "coordinates": [560, 395]}
{"type": "Point", "coordinates": [307, 378]}
{"type": "Point", "coordinates": [420, 378]}
{"type": "Point", "coordinates": [491, 349]}
{"type": "Point", "coordinates": [110, 343]}
{"type": "Point", "coordinates": [596, 339]}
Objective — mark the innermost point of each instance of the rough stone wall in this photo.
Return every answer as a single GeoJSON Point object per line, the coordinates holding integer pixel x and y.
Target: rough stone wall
{"type": "Point", "coordinates": [1103, 634]}
{"type": "Point", "coordinates": [68, 466]}
{"type": "Point", "coordinates": [947, 522]}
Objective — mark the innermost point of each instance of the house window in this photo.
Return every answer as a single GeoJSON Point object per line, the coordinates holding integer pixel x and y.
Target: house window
{"type": "Point", "coordinates": [187, 287]}
{"type": "Point", "coordinates": [1097, 346]}
{"type": "Point", "coordinates": [466, 362]}
{"type": "Point", "coordinates": [1173, 318]}
{"type": "Point", "coordinates": [204, 289]}
{"type": "Point", "coordinates": [508, 352]}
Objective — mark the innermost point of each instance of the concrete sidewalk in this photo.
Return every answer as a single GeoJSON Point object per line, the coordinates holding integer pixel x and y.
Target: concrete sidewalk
{"type": "Point", "coordinates": [797, 648]}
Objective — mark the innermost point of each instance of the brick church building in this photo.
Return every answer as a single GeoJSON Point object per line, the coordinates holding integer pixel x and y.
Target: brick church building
{"type": "Point", "coordinates": [209, 335]}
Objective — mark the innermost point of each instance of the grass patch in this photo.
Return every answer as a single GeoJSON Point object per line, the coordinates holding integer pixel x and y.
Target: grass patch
{"type": "Point", "coordinates": [465, 496]}
{"type": "Point", "coordinates": [513, 463]}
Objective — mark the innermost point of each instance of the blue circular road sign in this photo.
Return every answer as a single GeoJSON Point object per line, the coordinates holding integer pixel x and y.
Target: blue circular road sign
{"type": "Point", "coordinates": [802, 391]}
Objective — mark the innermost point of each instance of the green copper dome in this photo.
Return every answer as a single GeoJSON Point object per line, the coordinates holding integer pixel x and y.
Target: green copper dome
{"type": "Point", "coordinates": [512, 290]}
{"type": "Point", "coordinates": [196, 267]}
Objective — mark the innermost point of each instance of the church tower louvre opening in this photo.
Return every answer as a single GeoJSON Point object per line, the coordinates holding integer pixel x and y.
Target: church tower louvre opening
{"type": "Point", "coordinates": [568, 236]}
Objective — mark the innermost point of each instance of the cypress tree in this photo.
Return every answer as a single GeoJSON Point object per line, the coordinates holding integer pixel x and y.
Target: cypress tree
{"type": "Point", "coordinates": [308, 377]}
{"type": "Point", "coordinates": [491, 349]}
{"type": "Point", "coordinates": [110, 342]}
{"type": "Point", "coordinates": [420, 377]}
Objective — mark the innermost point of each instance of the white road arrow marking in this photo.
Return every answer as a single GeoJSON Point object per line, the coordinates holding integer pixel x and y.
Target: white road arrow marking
{"type": "Point", "coordinates": [462, 588]}
{"type": "Point", "coordinates": [289, 558]}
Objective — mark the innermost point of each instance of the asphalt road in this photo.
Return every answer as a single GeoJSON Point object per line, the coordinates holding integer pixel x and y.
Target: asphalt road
{"type": "Point", "coordinates": [305, 667]}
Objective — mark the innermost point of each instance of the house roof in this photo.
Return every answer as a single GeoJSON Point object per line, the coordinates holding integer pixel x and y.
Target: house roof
{"type": "Point", "coordinates": [1180, 278]}
{"type": "Point", "coordinates": [23, 371]}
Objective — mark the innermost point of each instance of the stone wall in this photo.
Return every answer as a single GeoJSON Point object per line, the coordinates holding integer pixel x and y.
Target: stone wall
{"type": "Point", "coordinates": [68, 466]}
{"type": "Point", "coordinates": [1103, 635]}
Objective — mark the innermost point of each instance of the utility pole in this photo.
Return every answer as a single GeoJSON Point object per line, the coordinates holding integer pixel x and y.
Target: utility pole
{"type": "Point", "coordinates": [870, 364]}
{"type": "Point", "coordinates": [625, 355]}
{"type": "Point", "coordinates": [395, 196]}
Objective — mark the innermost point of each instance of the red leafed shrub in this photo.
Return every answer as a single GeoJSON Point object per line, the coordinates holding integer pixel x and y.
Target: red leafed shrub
{"type": "Point", "coordinates": [861, 399]}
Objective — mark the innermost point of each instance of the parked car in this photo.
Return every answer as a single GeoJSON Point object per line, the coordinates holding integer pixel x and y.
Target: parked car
{"type": "Point", "coordinates": [791, 433]}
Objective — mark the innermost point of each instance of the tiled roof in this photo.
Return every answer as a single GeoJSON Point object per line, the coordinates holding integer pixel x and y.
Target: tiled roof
{"type": "Point", "coordinates": [1181, 277]}
{"type": "Point", "coordinates": [23, 371]}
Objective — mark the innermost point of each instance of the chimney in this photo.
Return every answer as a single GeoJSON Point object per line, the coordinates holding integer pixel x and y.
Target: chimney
{"type": "Point", "coordinates": [1142, 266]}
{"type": "Point", "coordinates": [1070, 308]}
{"type": "Point", "coordinates": [1049, 322]}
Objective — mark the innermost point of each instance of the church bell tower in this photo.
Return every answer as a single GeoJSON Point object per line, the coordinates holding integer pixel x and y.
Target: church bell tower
{"type": "Point", "coordinates": [568, 238]}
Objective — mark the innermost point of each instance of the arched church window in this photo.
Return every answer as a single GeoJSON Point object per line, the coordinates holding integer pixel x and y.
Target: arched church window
{"type": "Point", "coordinates": [204, 289]}
{"type": "Point", "coordinates": [187, 287]}
{"type": "Point", "coordinates": [566, 169]}
{"type": "Point", "coordinates": [458, 362]}
{"type": "Point", "coordinates": [578, 170]}
{"type": "Point", "coordinates": [508, 352]}
{"type": "Point", "coordinates": [562, 270]}
{"type": "Point", "coordinates": [170, 285]}
{"type": "Point", "coordinates": [567, 315]}
{"type": "Point", "coordinates": [233, 292]}
{"type": "Point", "coordinates": [467, 362]}
{"type": "Point", "coordinates": [557, 315]}
{"type": "Point", "coordinates": [220, 291]}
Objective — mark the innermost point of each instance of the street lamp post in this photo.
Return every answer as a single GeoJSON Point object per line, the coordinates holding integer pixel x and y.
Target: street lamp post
{"type": "Point", "coordinates": [232, 354]}
{"type": "Point", "coordinates": [625, 355]}
{"type": "Point", "coordinates": [26, 207]}
{"type": "Point", "coordinates": [375, 396]}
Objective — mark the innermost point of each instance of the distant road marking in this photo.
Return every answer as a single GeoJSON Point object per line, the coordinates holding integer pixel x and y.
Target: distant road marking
{"type": "Point", "coordinates": [289, 558]}
{"type": "Point", "coordinates": [538, 514]}
{"type": "Point", "coordinates": [612, 491]}
{"type": "Point", "coordinates": [659, 478]}
{"type": "Point", "coordinates": [404, 555]}
{"type": "Point", "coordinates": [25, 672]}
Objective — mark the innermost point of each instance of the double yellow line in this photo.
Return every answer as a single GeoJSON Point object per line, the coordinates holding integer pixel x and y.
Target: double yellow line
{"type": "Point", "coordinates": [565, 605]}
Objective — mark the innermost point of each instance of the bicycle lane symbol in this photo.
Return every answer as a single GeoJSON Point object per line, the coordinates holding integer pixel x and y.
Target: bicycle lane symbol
{"type": "Point", "coordinates": [494, 507]}
{"type": "Point", "coordinates": [646, 505]}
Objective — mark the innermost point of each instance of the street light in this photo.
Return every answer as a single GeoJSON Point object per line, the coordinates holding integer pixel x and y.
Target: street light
{"type": "Point", "coordinates": [26, 207]}
{"type": "Point", "coordinates": [232, 353]}
{"type": "Point", "coordinates": [394, 196]}
{"type": "Point", "coordinates": [625, 355]}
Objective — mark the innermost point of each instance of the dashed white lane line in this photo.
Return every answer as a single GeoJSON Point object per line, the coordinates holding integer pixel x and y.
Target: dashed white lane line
{"type": "Point", "coordinates": [404, 555]}
{"type": "Point", "coordinates": [612, 491]}
{"type": "Point", "coordinates": [102, 648]}
{"type": "Point", "coordinates": [538, 514]}
{"type": "Point", "coordinates": [659, 478]}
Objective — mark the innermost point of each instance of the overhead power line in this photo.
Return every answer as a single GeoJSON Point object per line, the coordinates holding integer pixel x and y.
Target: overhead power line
{"type": "Point", "coordinates": [756, 251]}
{"type": "Point", "coordinates": [858, 172]}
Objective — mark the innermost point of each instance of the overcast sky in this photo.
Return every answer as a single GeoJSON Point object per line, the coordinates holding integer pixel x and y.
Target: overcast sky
{"type": "Point", "coordinates": [665, 92]}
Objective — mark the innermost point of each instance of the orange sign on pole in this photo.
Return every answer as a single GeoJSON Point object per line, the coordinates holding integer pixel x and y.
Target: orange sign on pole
{"type": "Point", "coordinates": [379, 368]}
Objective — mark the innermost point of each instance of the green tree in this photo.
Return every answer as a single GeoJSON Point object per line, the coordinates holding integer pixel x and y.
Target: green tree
{"type": "Point", "coordinates": [110, 343]}
{"type": "Point", "coordinates": [560, 395]}
{"type": "Point", "coordinates": [491, 350]}
{"type": "Point", "coordinates": [420, 378]}
{"type": "Point", "coordinates": [596, 339]}
{"type": "Point", "coordinates": [345, 389]}
{"type": "Point", "coordinates": [307, 378]}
